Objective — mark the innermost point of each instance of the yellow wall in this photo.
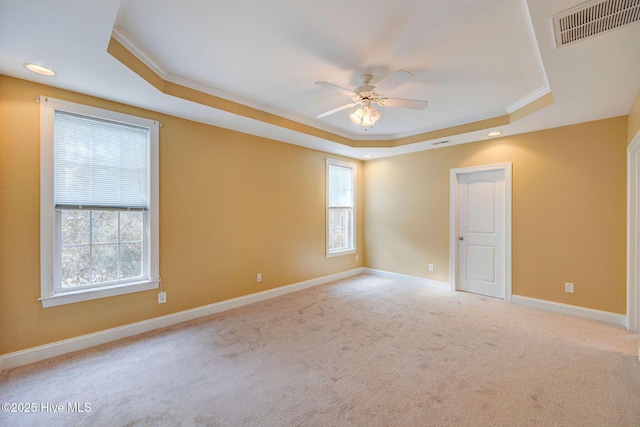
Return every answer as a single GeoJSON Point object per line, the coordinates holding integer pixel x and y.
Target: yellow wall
{"type": "Point", "coordinates": [634, 118]}
{"type": "Point", "coordinates": [569, 211]}
{"type": "Point", "coordinates": [232, 205]}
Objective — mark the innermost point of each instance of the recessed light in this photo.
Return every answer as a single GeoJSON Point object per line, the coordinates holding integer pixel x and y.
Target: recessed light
{"type": "Point", "coordinates": [367, 156]}
{"type": "Point", "coordinates": [496, 133]}
{"type": "Point", "coordinates": [39, 69]}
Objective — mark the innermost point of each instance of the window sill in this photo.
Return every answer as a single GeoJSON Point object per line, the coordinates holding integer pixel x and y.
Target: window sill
{"type": "Point", "coordinates": [90, 294]}
{"type": "Point", "coordinates": [341, 253]}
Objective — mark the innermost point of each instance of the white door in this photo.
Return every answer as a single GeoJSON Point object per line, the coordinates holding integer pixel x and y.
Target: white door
{"type": "Point", "coordinates": [480, 229]}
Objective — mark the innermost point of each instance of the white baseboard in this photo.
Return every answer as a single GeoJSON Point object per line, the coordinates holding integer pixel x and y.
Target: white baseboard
{"type": "Point", "coordinates": [556, 307]}
{"type": "Point", "coordinates": [406, 278]}
{"type": "Point", "coordinates": [572, 310]}
{"type": "Point", "coordinates": [35, 354]}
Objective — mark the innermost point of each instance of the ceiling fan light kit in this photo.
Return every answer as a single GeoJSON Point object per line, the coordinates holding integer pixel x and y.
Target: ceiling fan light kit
{"type": "Point", "coordinates": [362, 97]}
{"type": "Point", "coordinates": [356, 116]}
{"type": "Point", "coordinates": [365, 115]}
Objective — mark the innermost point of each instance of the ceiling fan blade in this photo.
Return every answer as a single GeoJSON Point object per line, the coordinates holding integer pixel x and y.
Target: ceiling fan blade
{"type": "Point", "coordinates": [345, 92]}
{"type": "Point", "coordinates": [393, 81]}
{"type": "Point", "coordinates": [335, 110]}
{"type": "Point", "coordinates": [402, 103]}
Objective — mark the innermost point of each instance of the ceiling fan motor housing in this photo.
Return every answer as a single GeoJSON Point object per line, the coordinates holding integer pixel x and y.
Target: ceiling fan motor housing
{"type": "Point", "coordinates": [364, 91]}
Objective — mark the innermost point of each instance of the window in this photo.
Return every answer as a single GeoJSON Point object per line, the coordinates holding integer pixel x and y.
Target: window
{"type": "Point", "coordinates": [99, 203]}
{"type": "Point", "coordinates": [340, 208]}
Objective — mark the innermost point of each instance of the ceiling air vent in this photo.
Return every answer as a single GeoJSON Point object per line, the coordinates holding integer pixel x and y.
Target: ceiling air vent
{"type": "Point", "coordinates": [594, 17]}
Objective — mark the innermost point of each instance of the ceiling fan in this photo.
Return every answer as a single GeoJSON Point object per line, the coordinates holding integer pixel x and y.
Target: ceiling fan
{"type": "Point", "coordinates": [366, 95]}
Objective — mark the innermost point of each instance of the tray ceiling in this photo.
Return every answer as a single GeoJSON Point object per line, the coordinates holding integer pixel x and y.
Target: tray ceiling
{"type": "Point", "coordinates": [251, 65]}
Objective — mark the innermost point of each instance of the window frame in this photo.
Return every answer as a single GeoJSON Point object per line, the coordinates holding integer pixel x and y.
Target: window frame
{"type": "Point", "coordinates": [353, 249]}
{"type": "Point", "coordinates": [50, 239]}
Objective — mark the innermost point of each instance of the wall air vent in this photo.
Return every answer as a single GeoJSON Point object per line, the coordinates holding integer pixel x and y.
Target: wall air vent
{"type": "Point", "coordinates": [594, 17]}
{"type": "Point", "coordinates": [440, 142]}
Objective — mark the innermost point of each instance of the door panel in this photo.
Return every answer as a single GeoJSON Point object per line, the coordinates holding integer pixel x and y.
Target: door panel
{"type": "Point", "coordinates": [481, 197]}
{"type": "Point", "coordinates": [481, 263]}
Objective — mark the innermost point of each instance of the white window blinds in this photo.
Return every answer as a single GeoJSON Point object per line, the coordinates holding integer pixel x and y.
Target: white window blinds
{"type": "Point", "coordinates": [100, 163]}
{"type": "Point", "coordinates": [340, 186]}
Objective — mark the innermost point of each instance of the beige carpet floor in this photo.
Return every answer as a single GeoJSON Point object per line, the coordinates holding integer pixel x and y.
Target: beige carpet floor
{"type": "Point", "coordinates": [366, 351]}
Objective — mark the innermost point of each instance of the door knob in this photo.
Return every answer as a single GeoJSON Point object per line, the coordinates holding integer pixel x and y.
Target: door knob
{"type": "Point", "coordinates": [460, 238]}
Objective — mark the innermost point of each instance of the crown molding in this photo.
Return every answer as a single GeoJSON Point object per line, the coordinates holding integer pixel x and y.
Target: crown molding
{"type": "Point", "coordinates": [127, 41]}
{"type": "Point", "coordinates": [530, 98]}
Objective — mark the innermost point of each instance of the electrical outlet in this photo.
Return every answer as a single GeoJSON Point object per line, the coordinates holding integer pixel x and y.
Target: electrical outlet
{"type": "Point", "coordinates": [357, 258]}
{"type": "Point", "coordinates": [259, 277]}
{"type": "Point", "coordinates": [162, 297]}
{"type": "Point", "coordinates": [430, 267]}
{"type": "Point", "coordinates": [568, 287]}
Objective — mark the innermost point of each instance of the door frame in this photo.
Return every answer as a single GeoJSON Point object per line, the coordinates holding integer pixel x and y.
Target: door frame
{"type": "Point", "coordinates": [633, 239]}
{"type": "Point", "coordinates": [454, 175]}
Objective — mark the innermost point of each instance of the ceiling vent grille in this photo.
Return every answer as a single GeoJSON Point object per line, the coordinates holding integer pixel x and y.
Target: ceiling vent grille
{"type": "Point", "coordinates": [593, 18]}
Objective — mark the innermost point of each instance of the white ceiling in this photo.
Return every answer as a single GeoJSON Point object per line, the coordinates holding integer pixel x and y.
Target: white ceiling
{"type": "Point", "coordinates": [471, 60]}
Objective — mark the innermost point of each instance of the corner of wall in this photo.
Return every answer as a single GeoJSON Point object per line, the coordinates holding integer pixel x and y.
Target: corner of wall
{"type": "Point", "coordinates": [633, 122]}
